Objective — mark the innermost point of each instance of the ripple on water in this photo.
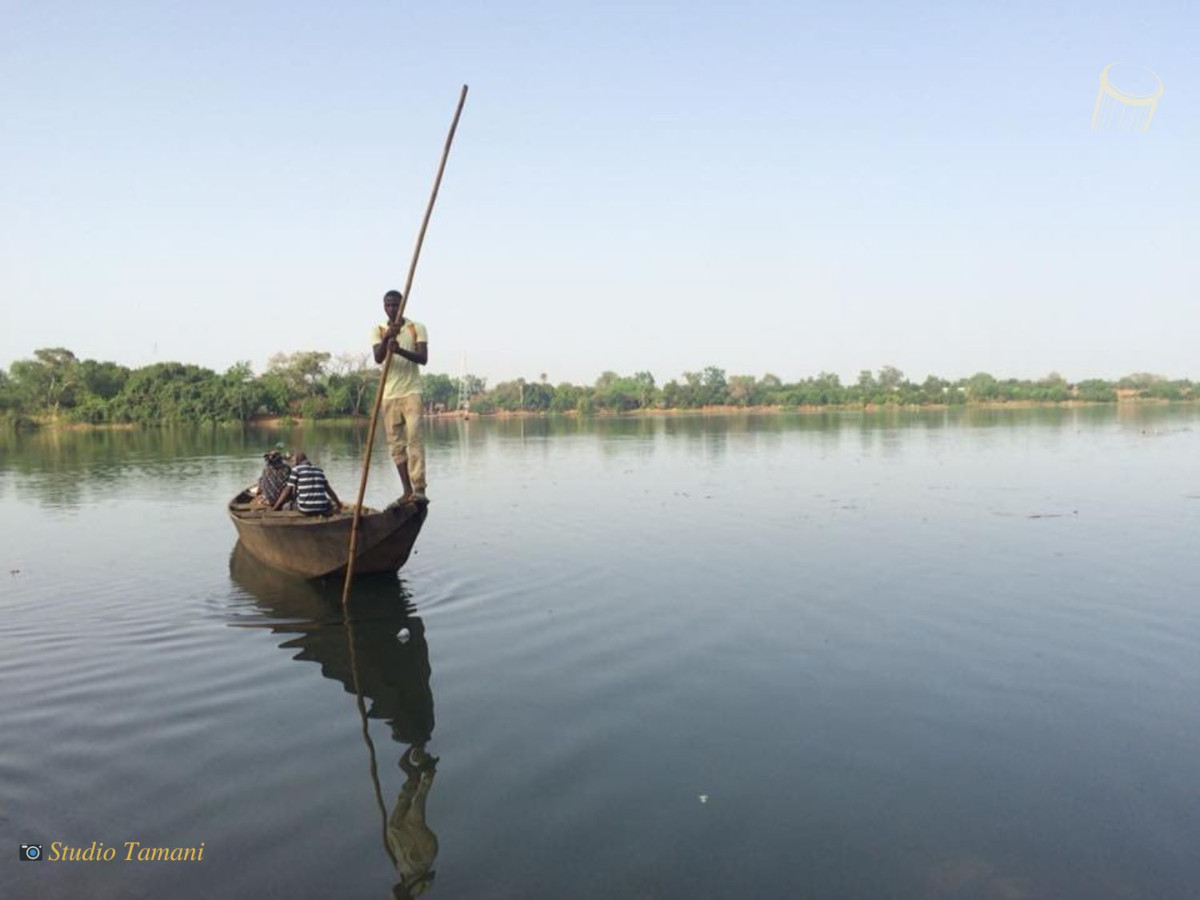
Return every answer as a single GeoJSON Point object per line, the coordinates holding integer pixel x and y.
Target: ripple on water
{"type": "Point", "coordinates": [684, 661]}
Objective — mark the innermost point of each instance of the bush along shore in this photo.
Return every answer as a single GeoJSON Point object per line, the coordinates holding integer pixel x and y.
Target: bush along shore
{"type": "Point", "coordinates": [57, 387]}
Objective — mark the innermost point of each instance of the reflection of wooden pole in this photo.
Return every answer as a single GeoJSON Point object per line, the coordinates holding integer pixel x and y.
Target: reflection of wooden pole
{"type": "Point", "coordinates": [387, 360]}
{"type": "Point", "coordinates": [362, 715]}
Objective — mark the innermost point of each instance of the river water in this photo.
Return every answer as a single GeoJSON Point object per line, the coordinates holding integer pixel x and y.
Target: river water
{"type": "Point", "coordinates": [946, 654]}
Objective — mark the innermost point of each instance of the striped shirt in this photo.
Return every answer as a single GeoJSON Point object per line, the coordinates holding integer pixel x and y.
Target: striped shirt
{"type": "Point", "coordinates": [309, 484]}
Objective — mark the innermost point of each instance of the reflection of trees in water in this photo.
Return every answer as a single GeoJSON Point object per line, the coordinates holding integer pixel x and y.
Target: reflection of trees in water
{"type": "Point", "coordinates": [380, 656]}
{"type": "Point", "coordinates": [67, 468]}
{"type": "Point", "coordinates": [49, 449]}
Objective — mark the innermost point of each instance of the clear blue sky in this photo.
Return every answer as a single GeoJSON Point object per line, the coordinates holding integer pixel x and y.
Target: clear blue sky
{"type": "Point", "coordinates": [766, 187]}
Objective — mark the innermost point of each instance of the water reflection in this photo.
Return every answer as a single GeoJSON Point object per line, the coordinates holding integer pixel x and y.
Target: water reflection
{"type": "Point", "coordinates": [382, 659]}
{"type": "Point", "coordinates": [69, 469]}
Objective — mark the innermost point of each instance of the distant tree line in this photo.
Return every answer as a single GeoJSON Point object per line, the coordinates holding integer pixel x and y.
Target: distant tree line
{"type": "Point", "coordinates": [55, 384]}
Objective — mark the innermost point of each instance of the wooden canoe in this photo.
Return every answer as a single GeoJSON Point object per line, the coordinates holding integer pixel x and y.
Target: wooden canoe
{"type": "Point", "coordinates": [318, 546]}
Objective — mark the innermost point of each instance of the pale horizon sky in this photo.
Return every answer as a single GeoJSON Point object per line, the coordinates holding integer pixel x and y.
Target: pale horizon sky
{"type": "Point", "coordinates": [765, 187]}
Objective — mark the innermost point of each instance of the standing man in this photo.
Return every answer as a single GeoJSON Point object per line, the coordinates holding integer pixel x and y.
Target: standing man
{"type": "Point", "coordinates": [402, 393]}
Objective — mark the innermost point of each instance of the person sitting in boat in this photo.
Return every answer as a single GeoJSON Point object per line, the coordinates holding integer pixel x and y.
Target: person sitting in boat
{"type": "Point", "coordinates": [274, 477]}
{"type": "Point", "coordinates": [311, 490]}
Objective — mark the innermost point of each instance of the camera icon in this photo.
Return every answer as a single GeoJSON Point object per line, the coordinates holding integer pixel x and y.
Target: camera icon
{"type": "Point", "coordinates": [31, 852]}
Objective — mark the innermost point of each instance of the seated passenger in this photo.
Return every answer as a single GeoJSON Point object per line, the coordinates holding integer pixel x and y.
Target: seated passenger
{"type": "Point", "coordinates": [312, 493]}
{"type": "Point", "coordinates": [274, 477]}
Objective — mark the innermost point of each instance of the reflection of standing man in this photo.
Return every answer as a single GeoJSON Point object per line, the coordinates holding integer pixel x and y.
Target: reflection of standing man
{"type": "Point", "coordinates": [402, 393]}
{"type": "Point", "coordinates": [413, 845]}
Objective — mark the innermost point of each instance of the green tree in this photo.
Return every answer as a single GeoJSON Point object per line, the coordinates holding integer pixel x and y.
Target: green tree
{"type": "Point", "coordinates": [935, 390]}
{"type": "Point", "coordinates": [1140, 381]}
{"type": "Point", "coordinates": [92, 410]}
{"type": "Point", "coordinates": [102, 379]}
{"type": "Point", "coordinates": [483, 404]}
{"type": "Point", "coordinates": [29, 384]}
{"type": "Point", "coordinates": [276, 394]}
{"type": "Point", "coordinates": [170, 392]}
{"type": "Point", "coordinates": [538, 396]}
{"type": "Point", "coordinates": [829, 388]}
{"type": "Point", "coordinates": [691, 392]}
{"type": "Point", "coordinates": [743, 390]}
{"type": "Point", "coordinates": [566, 398]}
{"type": "Point", "coordinates": [1053, 388]}
{"type": "Point", "coordinates": [240, 392]}
{"type": "Point", "coordinates": [982, 387]}
{"type": "Point", "coordinates": [304, 372]}
{"type": "Point", "coordinates": [672, 395]}
{"type": "Point", "coordinates": [770, 389]}
{"type": "Point", "coordinates": [714, 386]}
{"type": "Point", "coordinates": [8, 395]}
{"type": "Point", "coordinates": [48, 381]}
{"type": "Point", "coordinates": [1171, 390]}
{"type": "Point", "coordinates": [890, 378]}
{"type": "Point", "coordinates": [315, 407]}
{"type": "Point", "coordinates": [505, 396]}
{"type": "Point", "coordinates": [439, 388]}
{"type": "Point", "coordinates": [350, 383]}
{"type": "Point", "coordinates": [618, 394]}
{"type": "Point", "coordinates": [1095, 390]}
{"type": "Point", "coordinates": [646, 389]}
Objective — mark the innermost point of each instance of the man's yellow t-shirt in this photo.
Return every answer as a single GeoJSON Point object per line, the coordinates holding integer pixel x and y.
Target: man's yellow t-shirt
{"type": "Point", "coordinates": [404, 375]}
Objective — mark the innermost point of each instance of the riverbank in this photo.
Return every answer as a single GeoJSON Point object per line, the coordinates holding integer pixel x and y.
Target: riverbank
{"type": "Point", "coordinates": [36, 423]}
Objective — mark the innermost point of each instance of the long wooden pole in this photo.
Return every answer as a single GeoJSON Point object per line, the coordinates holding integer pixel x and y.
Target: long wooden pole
{"type": "Point", "coordinates": [387, 360]}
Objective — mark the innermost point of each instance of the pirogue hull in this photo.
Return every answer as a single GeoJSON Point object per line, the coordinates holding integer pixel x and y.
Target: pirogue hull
{"type": "Point", "coordinates": [317, 546]}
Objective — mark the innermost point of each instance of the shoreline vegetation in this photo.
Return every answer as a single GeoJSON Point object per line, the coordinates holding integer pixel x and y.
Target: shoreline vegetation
{"type": "Point", "coordinates": [56, 389]}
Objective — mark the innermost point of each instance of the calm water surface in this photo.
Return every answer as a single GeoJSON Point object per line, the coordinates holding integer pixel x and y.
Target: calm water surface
{"type": "Point", "coordinates": [916, 655]}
